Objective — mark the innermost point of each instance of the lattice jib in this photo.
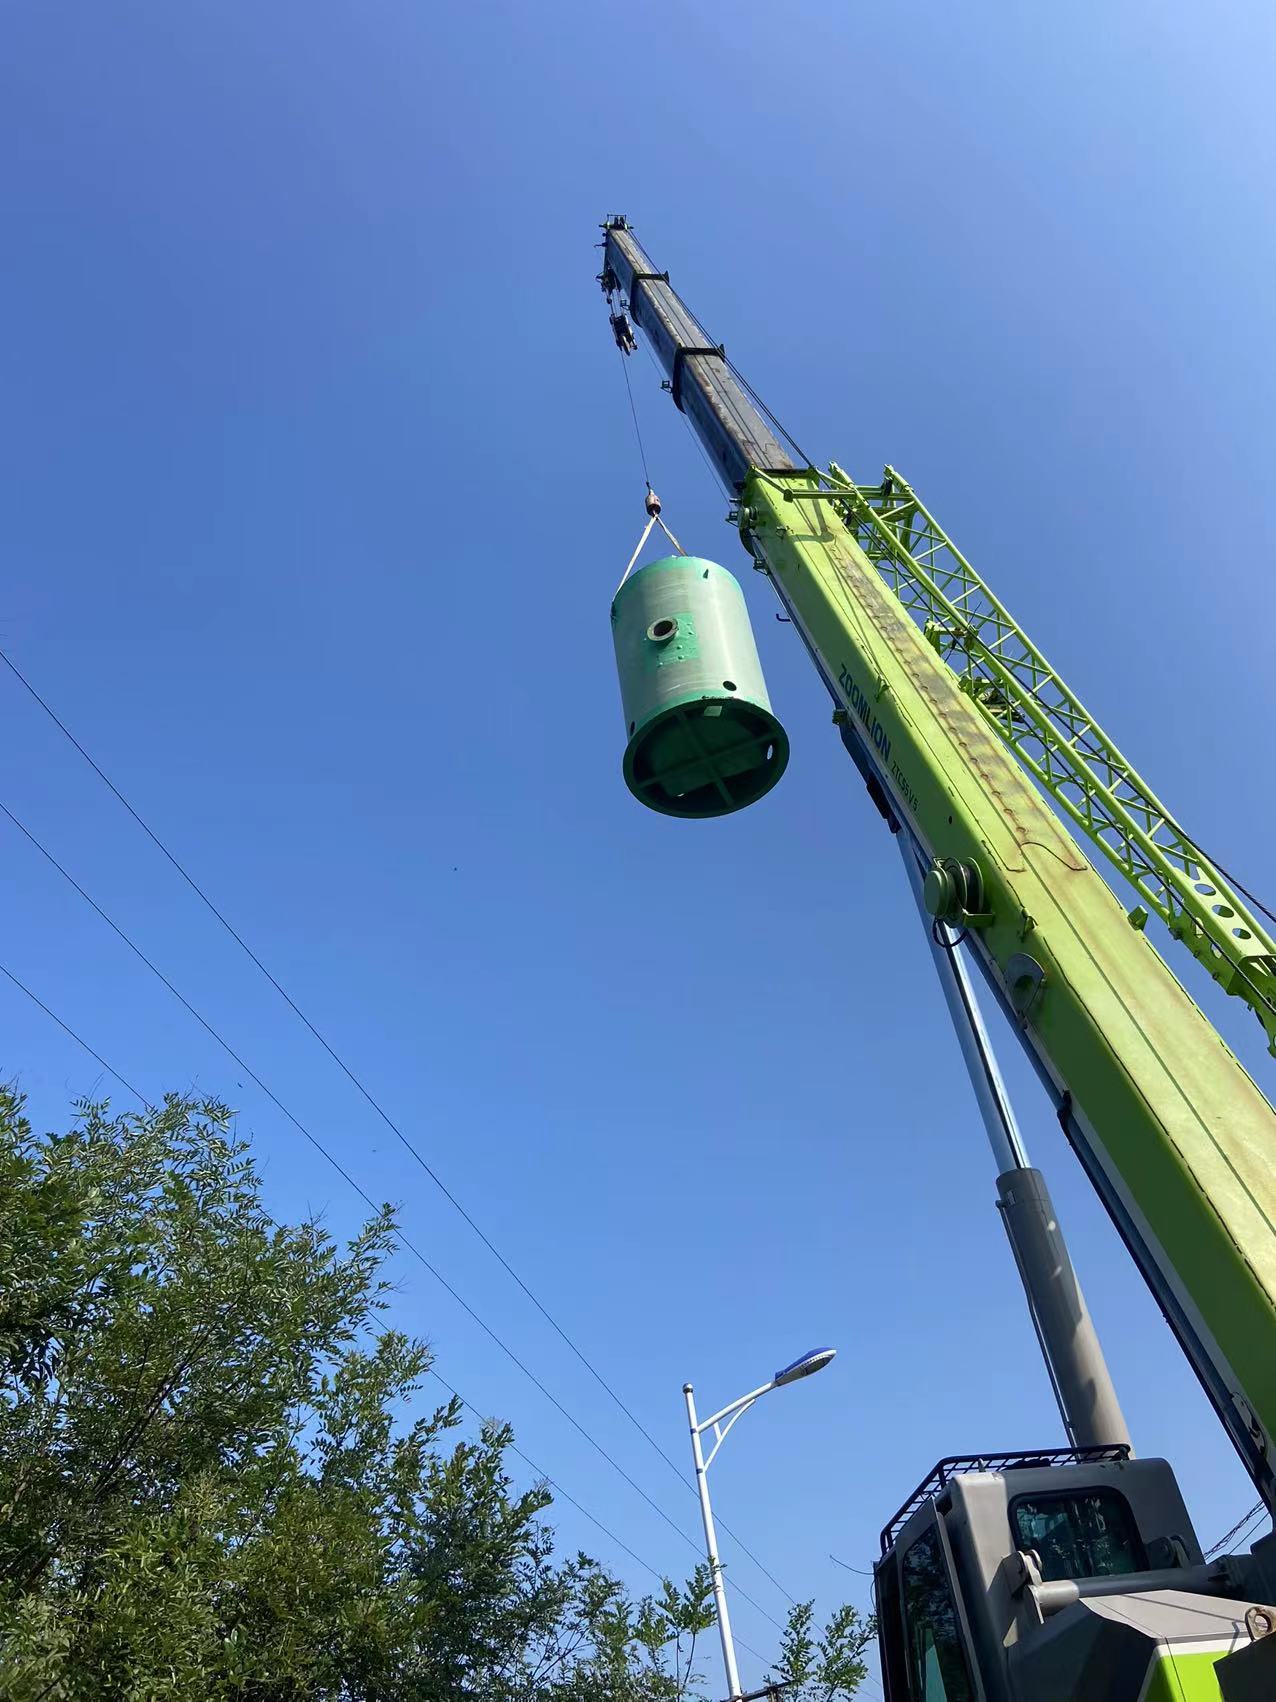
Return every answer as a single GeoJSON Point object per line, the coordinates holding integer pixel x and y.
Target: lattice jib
{"type": "Point", "coordinates": [1058, 740]}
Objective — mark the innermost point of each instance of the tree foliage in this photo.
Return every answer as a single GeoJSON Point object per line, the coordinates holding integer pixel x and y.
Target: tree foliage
{"type": "Point", "coordinates": [212, 1484]}
{"type": "Point", "coordinates": [822, 1666]}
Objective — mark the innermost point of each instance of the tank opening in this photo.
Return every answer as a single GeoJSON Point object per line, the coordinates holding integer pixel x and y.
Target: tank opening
{"type": "Point", "coordinates": [662, 629]}
{"type": "Point", "coordinates": [706, 759]}
{"type": "Point", "coordinates": [728, 685]}
{"type": "Point", "coordinates": [632, 725]}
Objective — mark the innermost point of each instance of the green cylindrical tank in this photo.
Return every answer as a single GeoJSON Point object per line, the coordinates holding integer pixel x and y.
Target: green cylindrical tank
{"type": "Point", "coordinates": [702, 738]}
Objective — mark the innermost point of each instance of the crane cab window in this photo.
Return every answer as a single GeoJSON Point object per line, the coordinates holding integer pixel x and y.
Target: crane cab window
{"type": "Point", "coordinates": [1090, 1534]}
{"type": "Point", "coordinates": [937, 1666]}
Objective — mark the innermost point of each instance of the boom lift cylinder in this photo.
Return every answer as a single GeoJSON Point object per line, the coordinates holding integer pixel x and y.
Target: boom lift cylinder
{"type": "Point", "coordinates": [1083, 1384]}
{"type": "Point", "coordinates": [1075, 1362]}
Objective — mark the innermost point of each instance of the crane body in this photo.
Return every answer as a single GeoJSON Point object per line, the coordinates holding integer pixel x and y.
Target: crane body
{"type": "Point", "coordinates": [965, 738]}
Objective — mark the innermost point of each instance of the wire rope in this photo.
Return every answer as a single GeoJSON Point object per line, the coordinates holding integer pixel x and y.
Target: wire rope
{"type": "Point", "coordinates": [633, 409]}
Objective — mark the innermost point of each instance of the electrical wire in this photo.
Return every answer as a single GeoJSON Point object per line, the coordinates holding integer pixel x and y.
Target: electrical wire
{"type": "Point", "coordinates": [594, 1520]}
{"type": "Point", "coordinates": [861, 1573]}
{"type": "Point", "coordinates": [417, 1156]}
{"type": "Point", "coordinates": [330, 1158]}
{"type": "Point", "coordinates": [1240, 1528]}
{"type": "Point", "coordinates": [78, 1038]}
{"type": "Point", "coordinates": [452, 1390]}
{"type": "Point", "coordinates": [546, 1478]}
{"type": "Point", "coordinates": [542, 1475]}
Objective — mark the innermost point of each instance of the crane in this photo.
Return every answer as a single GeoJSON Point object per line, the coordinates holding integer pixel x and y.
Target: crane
{"type": "Point", "coordinates": [1044, 1574]}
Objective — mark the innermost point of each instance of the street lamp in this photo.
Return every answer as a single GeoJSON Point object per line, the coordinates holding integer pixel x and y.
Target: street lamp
{"type": "Point", "coordinates": [720, 1423]}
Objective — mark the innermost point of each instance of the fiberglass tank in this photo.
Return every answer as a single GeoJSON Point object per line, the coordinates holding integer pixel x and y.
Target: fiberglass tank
{"type": "Point", "coordinates": [702, 738]}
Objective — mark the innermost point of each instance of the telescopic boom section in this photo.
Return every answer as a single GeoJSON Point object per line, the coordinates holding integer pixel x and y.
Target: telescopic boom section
{"type": "Point", "coordinates": [1174, 1135]}
{"type": "Point", "coordinates": [701, 381]}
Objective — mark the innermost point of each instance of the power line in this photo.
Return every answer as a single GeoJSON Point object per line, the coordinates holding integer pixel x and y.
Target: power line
{"type": "Point", "coordinates": [562, 1494]}
{"type": "Point", "coordinates": [415, 1153]}
{"type": "Point", "coordinates": [331, 1159]}
{"type": "Point", "coordinates": [860, 1572]}
{"type": "Point", "coordinates": [78, 1038]}
{"type": "Point", "coordinates": [1241, 1526]}
{"type": "Point", "coordinates": [450, 1387]}
{"type": "Point", "coordinates": [593, 1519]}
{"type": "Point", "coordinates": [452, 1390]}
{"type": "Point", "coordinates": [545, 1477]}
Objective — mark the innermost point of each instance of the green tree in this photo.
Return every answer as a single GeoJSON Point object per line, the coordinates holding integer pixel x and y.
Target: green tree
{"type": "Point", "coordinates": [828, 1666]}
{"type": "Point", "coordinates": [211, 1481]}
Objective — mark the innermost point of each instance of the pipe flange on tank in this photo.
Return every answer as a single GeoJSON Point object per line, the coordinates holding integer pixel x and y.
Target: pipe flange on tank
{"type": "Point", "coordinates": [954, 893]}
{"type": "Point", "coordinates": [662, 630]}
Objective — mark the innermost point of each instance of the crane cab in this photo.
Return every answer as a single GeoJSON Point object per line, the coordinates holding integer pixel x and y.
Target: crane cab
{"type": "Point", "coordinates": [1056, 1576]}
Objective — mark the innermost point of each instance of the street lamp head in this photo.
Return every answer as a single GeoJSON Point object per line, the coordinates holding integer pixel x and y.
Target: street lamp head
{"type": "Point", "coordinates": [807, 1366]}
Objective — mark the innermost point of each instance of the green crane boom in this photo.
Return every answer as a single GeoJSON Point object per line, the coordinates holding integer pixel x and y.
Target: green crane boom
{"type": "Point", "coordinates": [1059, 741]}
{"type": "Point", "coordinates": [943, 704]}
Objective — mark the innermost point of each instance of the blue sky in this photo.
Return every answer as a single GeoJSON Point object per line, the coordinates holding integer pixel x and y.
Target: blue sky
{"type": "Point", "coordinates": [319, 477]}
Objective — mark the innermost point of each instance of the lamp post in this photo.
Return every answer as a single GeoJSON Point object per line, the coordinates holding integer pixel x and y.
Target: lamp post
{"type": "Point", "coordinates": [720, 1423]}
